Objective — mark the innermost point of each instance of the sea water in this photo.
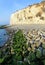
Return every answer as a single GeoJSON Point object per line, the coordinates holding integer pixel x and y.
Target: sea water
{"type": "Point", "coordinates": [3, 37]}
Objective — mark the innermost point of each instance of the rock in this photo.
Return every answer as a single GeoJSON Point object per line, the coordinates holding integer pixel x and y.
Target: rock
{"type": "Point", "coordinates": [39, 33]}
{"type": "Point", "coordinates": [37, 44]}
{"type": "Point", "coordinates": [38, 39]}
{"type": "Point", "coordinates": [31, 41]}
{"type": "Point", "coordinates": [29, 49]}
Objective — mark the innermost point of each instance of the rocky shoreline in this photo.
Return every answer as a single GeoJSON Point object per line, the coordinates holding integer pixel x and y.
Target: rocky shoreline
{"type": "Point", "coordinates": [35, 39]}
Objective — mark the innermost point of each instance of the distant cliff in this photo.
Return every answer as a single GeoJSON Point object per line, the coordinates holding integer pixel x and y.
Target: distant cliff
{"type": "Point", "coordinates": [33, 14]}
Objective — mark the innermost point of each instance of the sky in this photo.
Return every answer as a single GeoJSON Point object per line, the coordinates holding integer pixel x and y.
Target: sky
{"type": "Point", "coordinates": [7, 7]}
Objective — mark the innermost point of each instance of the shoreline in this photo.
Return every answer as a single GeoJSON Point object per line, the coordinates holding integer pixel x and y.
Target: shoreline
{"type": "Point", "coordinates": [12, 29]}
{"type": "Point", "coordinates": [25, 27]}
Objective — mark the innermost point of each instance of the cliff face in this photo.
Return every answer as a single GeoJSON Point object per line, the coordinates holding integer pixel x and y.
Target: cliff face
{"type": "Point", "coordinates": [34, 14]}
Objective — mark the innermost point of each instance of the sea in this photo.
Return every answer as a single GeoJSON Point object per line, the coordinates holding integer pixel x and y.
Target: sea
{"type": "Point", "coordinates": [3, 37]}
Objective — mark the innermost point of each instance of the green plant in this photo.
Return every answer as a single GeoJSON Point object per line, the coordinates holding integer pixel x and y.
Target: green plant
{"type": "Point", "coordinates": [19, 45]}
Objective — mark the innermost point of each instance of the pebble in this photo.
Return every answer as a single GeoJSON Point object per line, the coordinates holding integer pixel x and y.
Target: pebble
{"type": "Point", "coordinates": [36, 37]}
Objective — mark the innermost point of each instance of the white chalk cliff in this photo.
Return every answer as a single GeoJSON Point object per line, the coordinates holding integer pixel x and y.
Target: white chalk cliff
{"type": "Point", "coordinates": [33, 14]}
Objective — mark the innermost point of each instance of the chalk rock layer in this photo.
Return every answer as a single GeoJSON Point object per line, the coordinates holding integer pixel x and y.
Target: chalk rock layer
{"type": "Point", "coordinates": [33, 14]}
